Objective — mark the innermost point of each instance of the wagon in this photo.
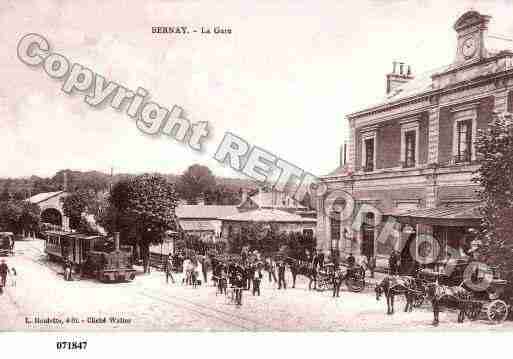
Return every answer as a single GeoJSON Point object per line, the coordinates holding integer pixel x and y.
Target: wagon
{"type": "Point", "coordinates": [489, 303]}
{"type": "Point", "coordinates": [354, 278]}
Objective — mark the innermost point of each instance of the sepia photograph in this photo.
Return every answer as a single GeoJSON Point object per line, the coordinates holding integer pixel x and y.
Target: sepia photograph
{"type": "Point", "coordinates": [271, 166]}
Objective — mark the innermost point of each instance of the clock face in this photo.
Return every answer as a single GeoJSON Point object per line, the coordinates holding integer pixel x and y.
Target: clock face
{"type": "Point", "coordinates": [469, 47]}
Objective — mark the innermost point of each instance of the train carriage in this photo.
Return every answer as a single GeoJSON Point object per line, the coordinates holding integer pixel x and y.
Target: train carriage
{"type": "Point", "coordinates": [94, 255]}
{"type": "Point", "coordinates": [71, 246]}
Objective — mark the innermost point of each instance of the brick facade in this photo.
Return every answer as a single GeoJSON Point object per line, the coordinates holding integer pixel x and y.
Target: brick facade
{"type": "Point", "coordinates": [465, 90]}
{"type": "Point", "coordinates": [389, 145]}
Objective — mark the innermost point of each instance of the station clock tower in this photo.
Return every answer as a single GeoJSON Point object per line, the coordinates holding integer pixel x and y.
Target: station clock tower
{"type": "Point", "coordinates": [471, 30]}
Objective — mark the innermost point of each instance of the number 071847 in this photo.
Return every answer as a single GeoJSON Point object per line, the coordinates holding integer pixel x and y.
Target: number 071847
{"type": "Point", "coordinates": [71, 345]}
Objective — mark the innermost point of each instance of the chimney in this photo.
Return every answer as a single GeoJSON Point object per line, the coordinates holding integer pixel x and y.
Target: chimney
{"type": "Point", "coordinates": [343, 155]}
{"type": "Point", "coordinates": [116, 241]}
{"type": "Point", "coordinates": [398, 76]}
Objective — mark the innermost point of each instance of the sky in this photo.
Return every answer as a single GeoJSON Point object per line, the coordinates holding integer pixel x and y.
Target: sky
{"type": "Point", "coordinates": [283, 80]}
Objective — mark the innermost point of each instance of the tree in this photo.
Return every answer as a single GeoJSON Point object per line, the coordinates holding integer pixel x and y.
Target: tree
{"type": "Point", "coordinates": [5, 195]}
{"type": "Point", "coordinates": [144, 206]}
{"type": "Point", "coordinates": [30, 216]}
{"type": "Point", "coordinates": [78, 203]}
{"type": "Point", "coordinates": [40, 185]}
{"type": "Point", "coordinates": [17, 216]}
{"type": "Point", "coordinates": [226, 196]}
{"type": "Point", "coordinates": [197, 181]}
{"type": "Point", "coordinates": [495, 176]}
{"type": "Point", "coordinates": [10, 214]}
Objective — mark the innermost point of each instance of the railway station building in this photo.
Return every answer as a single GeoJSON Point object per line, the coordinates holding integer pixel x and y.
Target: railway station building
{"type": "Point", "coordinates": [412, 156]}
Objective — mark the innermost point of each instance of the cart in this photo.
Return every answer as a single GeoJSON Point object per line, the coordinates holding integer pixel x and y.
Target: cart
{"type": "Point", "coordinates": [489, 304]}
{"type": "Point", "coordinates": [354, 278]}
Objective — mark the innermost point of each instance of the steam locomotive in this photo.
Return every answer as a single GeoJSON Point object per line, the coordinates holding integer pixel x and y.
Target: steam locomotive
{"type": "Point", "coordinates": [93, 255]}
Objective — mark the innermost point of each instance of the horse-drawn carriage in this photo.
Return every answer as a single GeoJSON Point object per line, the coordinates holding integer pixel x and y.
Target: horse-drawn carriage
{"type": "Point", "coordinates": [353, 276]}
{"type": "Point", "coordinates": [476, 290]}
{"type": "Point", "coordinates": [489, 303]}
{"type": "Point", "coordinates": [323, 278]}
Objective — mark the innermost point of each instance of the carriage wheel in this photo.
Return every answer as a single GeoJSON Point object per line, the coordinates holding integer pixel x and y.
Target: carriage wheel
{"type": "Point", "coordinates": [497, 311]}
{"type": "Point", "coordinates": [355, 284]}
{"type": "Point", "coordinates": [356, 280]}
{"type": "Point", "coordinates": [473, 310]}
{"type": "Point", "coordinates": [324, 285]}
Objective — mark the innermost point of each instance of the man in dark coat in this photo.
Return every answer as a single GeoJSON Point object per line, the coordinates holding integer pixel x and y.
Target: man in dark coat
{"type": "Point", "coordinates": [250, 272]}
{"type": "Point", "coordinates": [315, 259]}
{"type": "Point", "coordinates": [271, 264]}
{"type": "Point", "coordinates": [257, 278]}
{"type": "Point", "coordinates": [321, 260]}
{"type": "Point", "coordinates": [205, 264]}
{"type": "Point", "coordinates": [337, 282]}
{"type": "Point", "coordinates": [4, 270]}
{"type": "Point", "coordinates": [351, 260]}
{"type": "Point", "coordinates": [68, 269]}
{"type": "Point", "coordinates": [281, 275]}
{"type": "Point", "coordinates": [393, 262]}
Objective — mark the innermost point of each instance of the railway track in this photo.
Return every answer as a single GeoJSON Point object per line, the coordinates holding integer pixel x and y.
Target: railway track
{"type": "Point", "coordinates": [236, 320]}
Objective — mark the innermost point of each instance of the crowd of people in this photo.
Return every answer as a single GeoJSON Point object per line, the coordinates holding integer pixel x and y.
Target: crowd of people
{"type": "Point", "coordinates": [245, 271]}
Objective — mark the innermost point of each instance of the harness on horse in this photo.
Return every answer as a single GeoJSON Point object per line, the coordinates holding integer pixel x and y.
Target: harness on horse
{"type": "Point", "coordinates": [400, 285]}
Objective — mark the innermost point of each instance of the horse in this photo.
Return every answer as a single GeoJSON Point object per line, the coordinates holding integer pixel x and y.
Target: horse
{"type": "Point", "coordinates": [391, 286]}
{"type": "Point", "coordinates": [449, 297]}
{"type": "Point", "coordinates": [298, 267]}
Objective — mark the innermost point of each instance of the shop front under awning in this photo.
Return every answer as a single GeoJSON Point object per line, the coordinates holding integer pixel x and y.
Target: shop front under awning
{"type": "Point", "coordinates": [466, 215]}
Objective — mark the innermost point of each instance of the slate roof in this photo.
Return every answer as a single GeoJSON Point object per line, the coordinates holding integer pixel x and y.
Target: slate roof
{"type": "Point", "coordinates": [423, 82]}
{"type": "Point", "coordinates": [199, 211]}
{"type": "Point", "coordinates": [40, 197]}
{"type": "Point", "coordinates": [269, 200]}
{"type": "Point", "coordinates": [268, 215]}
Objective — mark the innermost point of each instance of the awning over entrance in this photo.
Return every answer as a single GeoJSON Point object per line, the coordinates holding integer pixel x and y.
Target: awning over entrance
{"type": "Point", "coordinates": [465, 215]}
